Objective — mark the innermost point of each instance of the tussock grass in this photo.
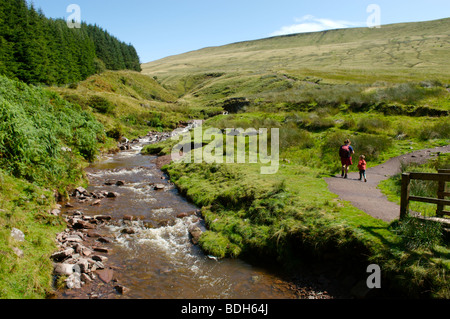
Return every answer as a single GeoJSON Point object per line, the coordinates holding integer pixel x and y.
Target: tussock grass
{"type": "Point", "coordinates": [291, 214]}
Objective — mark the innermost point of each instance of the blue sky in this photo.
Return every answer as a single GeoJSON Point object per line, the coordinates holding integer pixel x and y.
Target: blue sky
{"type": "Point", "coordinates": [167, 27]}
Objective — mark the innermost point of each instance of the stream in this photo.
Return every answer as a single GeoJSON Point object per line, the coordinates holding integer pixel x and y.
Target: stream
{"type": "Point", "coordinates": [157, 259]}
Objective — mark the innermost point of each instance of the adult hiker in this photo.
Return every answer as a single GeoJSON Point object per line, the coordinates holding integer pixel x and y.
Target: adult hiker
{"type": "Point", "coordinates": [346, 152]}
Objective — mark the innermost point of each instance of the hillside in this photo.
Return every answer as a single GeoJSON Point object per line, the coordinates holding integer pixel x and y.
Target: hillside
{"type": "Point", "coordinates": [393, 52]}
{"type": "Point", "coordinates": [130, 104]}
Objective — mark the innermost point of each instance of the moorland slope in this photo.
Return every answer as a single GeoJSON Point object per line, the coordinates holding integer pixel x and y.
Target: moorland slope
{"type": "Point", "coordinates": [399, 52]}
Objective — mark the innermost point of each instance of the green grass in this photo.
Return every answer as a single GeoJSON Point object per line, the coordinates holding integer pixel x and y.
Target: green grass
{"type": "Point", "coordinates": [251, 215]}
{"type": "Point", "coordinates": [26, 207]}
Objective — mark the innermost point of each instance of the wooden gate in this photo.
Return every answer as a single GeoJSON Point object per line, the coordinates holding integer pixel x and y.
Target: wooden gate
{"type": "Point", "coordinates": [442, 177]}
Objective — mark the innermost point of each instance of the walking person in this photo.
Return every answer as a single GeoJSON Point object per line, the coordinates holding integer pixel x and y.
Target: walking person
{"type": "Point", "coordinates": [362, 168]}
{"type": "Point", "coordinates": [346, 152]}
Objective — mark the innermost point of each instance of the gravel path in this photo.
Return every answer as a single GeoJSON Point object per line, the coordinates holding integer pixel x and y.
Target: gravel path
{"type": "Point", "coordinates": [367, 196]}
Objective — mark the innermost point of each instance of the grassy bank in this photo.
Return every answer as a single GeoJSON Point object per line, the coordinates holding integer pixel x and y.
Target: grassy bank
{"type": "Point", "coordinates": [45, 142]}
{"type": "Point", "coordinates": [25, 266]}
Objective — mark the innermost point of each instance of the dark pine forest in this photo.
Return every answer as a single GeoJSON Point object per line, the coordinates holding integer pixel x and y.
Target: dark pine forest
{"type": "Point", "coordinates": [36, 49]}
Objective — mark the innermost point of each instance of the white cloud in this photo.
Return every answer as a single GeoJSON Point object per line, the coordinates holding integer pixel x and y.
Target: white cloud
{"type": "Point", "coordinates": [310, 23]}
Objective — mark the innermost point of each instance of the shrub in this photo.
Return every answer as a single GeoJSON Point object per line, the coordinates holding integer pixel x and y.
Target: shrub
{"type": "Point", "coordinates": [417, 233]}
{"type": "Point", "coordinates": [373, 124]}
{"type": "Point", "coordinates": [291, 136]}
{"type": "Point", "coordinates": [101, 105]}
{"type": "Point", "coordinates": [35, 124]}
{"type": "Point", "coordinates": [116, 132]}
{"type": "Point", "coordinates": [86, 143]}
{"type": "Point", "coordinates": [441, 129]}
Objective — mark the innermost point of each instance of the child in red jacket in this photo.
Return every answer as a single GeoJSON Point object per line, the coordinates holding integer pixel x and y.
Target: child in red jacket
{"type": "Point", "coordinates": [362, 168]}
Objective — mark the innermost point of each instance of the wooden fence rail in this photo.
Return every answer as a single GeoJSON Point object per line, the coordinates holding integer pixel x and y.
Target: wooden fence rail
{"type": "Point", "coordinates": [442, 177]}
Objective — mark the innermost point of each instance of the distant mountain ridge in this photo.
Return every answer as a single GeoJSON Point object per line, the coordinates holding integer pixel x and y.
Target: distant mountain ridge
{"type": "Point", "coordinates": [416, 49]}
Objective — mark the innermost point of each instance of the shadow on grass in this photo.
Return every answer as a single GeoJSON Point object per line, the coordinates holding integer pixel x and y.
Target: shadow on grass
{"type": "Point", "coordinates": [372, 230]}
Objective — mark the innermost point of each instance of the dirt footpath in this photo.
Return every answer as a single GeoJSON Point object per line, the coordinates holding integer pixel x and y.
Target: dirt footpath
{"type": "Point", "coordinates": [367, 196]}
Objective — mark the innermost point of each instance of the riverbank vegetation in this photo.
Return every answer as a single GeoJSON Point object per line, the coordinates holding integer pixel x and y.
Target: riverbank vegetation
{"type": "Point", "coordinates": [47, 137]}
{"type": "Point", "coordinates": [45, 142]}
{"type": "Point", "coordinates": [130, 104]}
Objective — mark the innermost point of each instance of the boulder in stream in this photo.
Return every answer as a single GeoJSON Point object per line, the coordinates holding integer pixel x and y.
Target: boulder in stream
{"type": "Point", "coordinates": [80, 191]}
{"type": "Point", "coordinates": [195, 233]}
{"type": "Point", "coordinates": [112, 195]}
{"type": "Point", "coordinates": [64, 269]}
{"type": "Point", "coordinates": [106, 275]}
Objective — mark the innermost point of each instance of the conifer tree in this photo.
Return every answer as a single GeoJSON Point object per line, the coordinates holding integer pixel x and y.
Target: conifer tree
{"type": "Point", "coordinates": [36, 49]}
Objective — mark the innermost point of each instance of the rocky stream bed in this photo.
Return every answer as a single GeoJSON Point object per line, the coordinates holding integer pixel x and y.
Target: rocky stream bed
{"type": "Point", "coordinates": [91, 262]}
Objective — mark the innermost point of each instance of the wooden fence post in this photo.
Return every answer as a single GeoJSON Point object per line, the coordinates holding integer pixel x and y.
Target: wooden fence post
{"type": "Point", "coordinates": [404, 203]}
{"type": "Point", "coordinates": [441, 193]}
